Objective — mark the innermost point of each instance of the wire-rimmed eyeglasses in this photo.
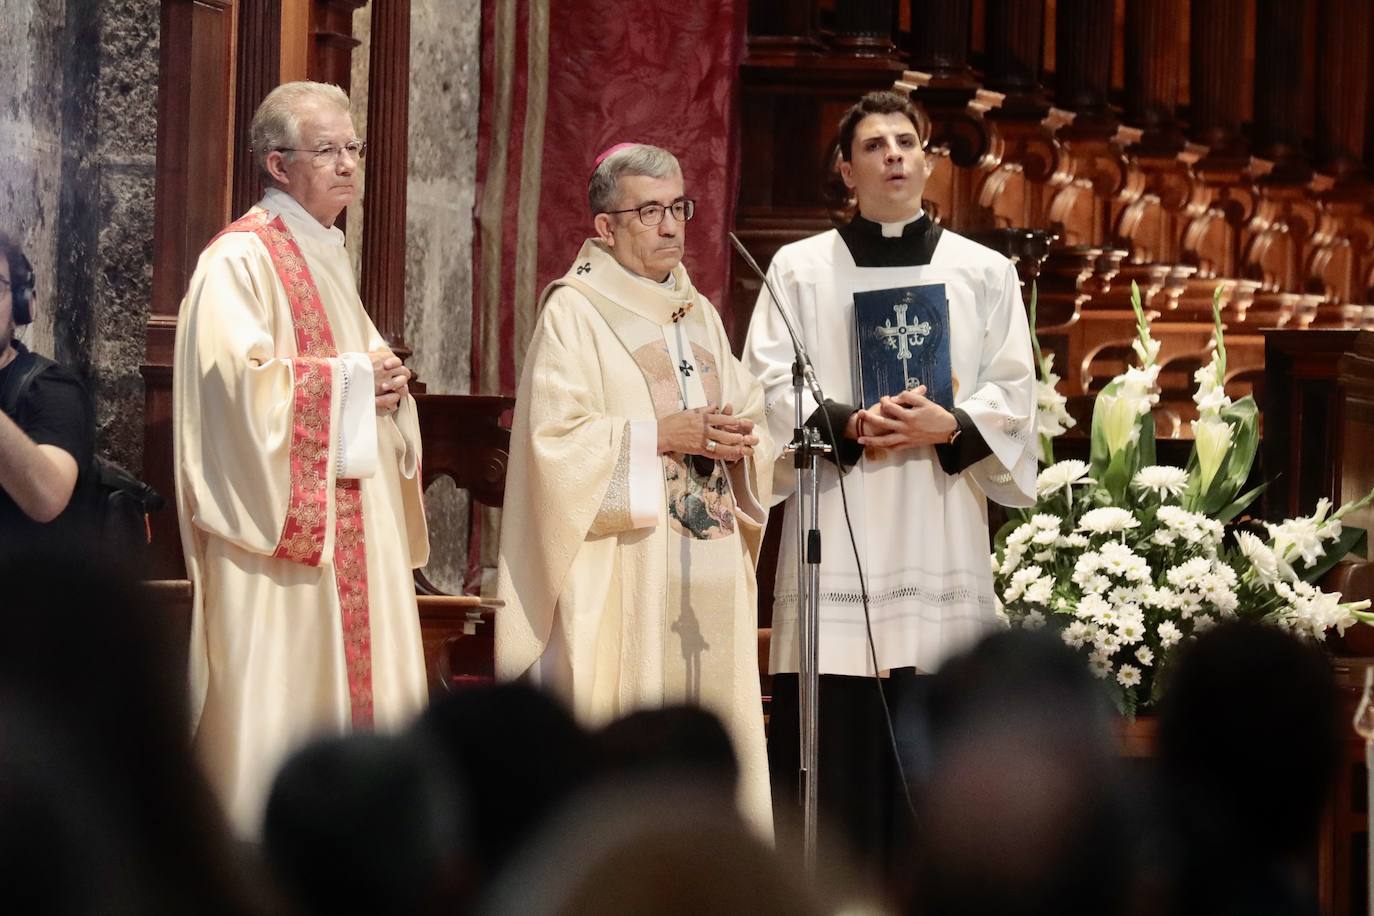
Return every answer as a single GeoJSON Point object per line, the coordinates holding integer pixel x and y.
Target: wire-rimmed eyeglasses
{"type": "Point", "coordinates": [652, 214]}
{"type": "Point", "coordinates": [328, 155]}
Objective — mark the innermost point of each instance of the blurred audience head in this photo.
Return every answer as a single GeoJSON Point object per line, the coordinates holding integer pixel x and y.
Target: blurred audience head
{"type": "Point", "coordinates": [1248, 741]}
{"type": "Point", "coordinates": [366, 824]}
{"type": "Point", "coordinates": [678, 743]}
{"type": "Point", "coordinates": [517, 757]}
{"type": "Point", "coordinates": [1021, 810]}
{"type": "Point", "coordinates": [94, 744]}
{"type": "Point", "coordinates": [648, 848]}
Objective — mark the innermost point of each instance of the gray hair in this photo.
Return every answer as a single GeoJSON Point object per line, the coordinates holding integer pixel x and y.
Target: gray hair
{"type": "Point", "coordinates": [277, 122]}
{"type": "Point", "coordinates": [637, 159]}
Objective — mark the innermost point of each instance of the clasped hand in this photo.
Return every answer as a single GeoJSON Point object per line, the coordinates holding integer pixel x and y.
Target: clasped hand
{"type": "Point", "coordinates": [706, 431]}
{"type": "Point", "coordinates": [390, 380]}
{"type": "Point", "coordinates": [906, 421]}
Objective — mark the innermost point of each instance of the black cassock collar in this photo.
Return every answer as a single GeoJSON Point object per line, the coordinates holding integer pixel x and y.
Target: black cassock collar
{"type": "Point", "coordinates": [870, 248]}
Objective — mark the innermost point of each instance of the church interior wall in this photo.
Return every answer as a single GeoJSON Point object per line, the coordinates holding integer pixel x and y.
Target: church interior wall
{"type": "Point", "coordinates": [445, 52]}
{"type": "Point", "coordinates": [78, 125]}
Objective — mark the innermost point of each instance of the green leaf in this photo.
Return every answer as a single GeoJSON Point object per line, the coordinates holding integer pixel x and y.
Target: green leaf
{"type": "Point", "coordinates": [1146, 443]}
{"type": "Point", "coordinates": [1240, 504]}
{"type": "Point", "coordinates": [1352, 540]}
{"type": "Point", "coordinates": [1099, 456]}
{"type": "Point", "coordinates": [999, 540]}
{"type": "Point", "coordinates": [1035, 331]}
{"type": "Point", "coordinates": [1243, 418]}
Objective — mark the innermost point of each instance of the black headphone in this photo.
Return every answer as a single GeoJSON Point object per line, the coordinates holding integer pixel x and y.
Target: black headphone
{"type": "Point", "coordinates": [21, 289]}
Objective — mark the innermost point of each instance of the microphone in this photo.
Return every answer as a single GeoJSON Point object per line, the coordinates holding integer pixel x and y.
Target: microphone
{"type": "Point", "coordinates": [803, 363]}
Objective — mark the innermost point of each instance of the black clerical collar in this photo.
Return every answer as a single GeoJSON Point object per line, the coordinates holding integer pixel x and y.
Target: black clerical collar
{"type": "Point", "coordinates": [870, 248]}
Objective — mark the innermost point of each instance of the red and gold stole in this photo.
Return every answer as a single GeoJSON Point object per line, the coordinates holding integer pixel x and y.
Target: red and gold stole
{"type": "Point", "coordinates": [303, 534]}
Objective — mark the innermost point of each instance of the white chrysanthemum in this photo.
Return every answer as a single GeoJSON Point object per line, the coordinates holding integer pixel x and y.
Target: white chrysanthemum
{"type": "Point", "coordinates": [1062, 475]}
{"type": "Point", "coordinates": [1021, 535]}
{"type": "Point", "coordinates": [1075, 634]}
{"type": "Point", "coordinates": [1192, 574]}
{"type": "Point", "coordinates": [1128, 676]}
{"type": "Point", "coordinates": [1076, 541]}
{"type": "Point", "coordinates": [1020, 581]}
{"type": "Point", "coordinates": [1130, 631]}
{"type": "Point", "coordinates": [1099, 666]}
{"type": "Point", "coordinates": [1169, 634]}
{"type": "Point", "coordinates": [1161, 480]}
{"type": "Point", "coordinates": [1033, 620]}
{"type": "Point", "coordinates": [1044, 521]}
{"type": "Point", "coordinates": [1203, 622]}
{"type": "Point", "coordinates": [1107, 520]}
{"type": "Point", "coordinates": [1039, 591]}
{"type": "Point", "coordinates": [1091, 607]}
{"type": "Point", "coordinates": [1145, 656]}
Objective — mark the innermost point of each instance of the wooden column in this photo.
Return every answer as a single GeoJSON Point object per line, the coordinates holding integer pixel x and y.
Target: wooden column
{"type": "Point", "coordinates": [1283, 92]}
{"type": "Point", "coordinates": [785, 25]}
{"type": "Point", "coordinates": [194, 141]}
{"type": "Point", "coordinates": [384, 194]}
{"type": "Point", "coordinates": [1012, 195]}
{"type": "Point", "coordinates": [330, 53]}
{"type": "Point", "coordinates": [864, 28]}
{"type": "Point", "coordinates": [1083, 62]}
{"type": "Point", "coordinates": [1014, 36]}
{"type": "Point", "coordinates": [259, 72]}
{"type": "Point", "coordinates": [1344, 258]}
{"type": "Point", "coordinates": [1154, 61]}
{"type": "Point", "coordinates": [1342, 86]}
{"type": "Point", "coordinates": [942, 83]}
{"type": "Point", "coordinates": [1217, 77]}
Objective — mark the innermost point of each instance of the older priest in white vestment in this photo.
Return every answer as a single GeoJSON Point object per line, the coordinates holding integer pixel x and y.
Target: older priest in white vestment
{"type": "Point", "coordinates": [917, 474]}
{"type": "Point", "coordinates": [297, 456]}
{"type": "Point", "coordinates": [634, 509]}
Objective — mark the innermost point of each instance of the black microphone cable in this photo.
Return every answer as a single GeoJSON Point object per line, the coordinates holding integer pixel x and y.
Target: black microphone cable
{"type": "Point", "coordinates": [818, 394]}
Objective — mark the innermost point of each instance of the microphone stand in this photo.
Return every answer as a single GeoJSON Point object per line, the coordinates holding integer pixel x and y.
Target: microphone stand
{"type": "Point", "coordinates": [806, 449]}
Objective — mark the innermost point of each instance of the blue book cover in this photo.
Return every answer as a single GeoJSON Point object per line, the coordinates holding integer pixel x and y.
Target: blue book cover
{"type": "Point", "coordinates": [901, 341]}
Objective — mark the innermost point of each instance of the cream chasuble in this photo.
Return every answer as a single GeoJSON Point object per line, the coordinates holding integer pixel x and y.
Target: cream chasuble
{"type": "Point", "coordinates": [300, 509]}
{"type": "Point", "coordinates": [628, 577]}
{"type": "Point", "coordinates": [922, 533]}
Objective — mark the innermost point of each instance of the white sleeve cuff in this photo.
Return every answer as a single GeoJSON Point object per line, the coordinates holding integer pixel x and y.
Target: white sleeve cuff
{"type": "Point", "coordinates": [646, 474]}
{"type": "Point", "coordinates": [357, 429]}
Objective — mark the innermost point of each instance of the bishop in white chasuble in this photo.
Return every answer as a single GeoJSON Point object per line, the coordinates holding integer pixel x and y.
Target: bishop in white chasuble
{"type": "Point", "coordinates": [627, 572]}
{"type": "Point", "coordinates": [299, 503]}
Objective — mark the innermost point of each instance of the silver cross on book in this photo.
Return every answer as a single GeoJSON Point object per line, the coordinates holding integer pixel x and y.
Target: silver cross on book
{"type": "Point", "coordinates": [902, 341]}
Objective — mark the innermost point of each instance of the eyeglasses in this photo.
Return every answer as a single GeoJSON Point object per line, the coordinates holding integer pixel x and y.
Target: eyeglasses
{"type": "Point", "coordinates": [328, 155]}
{"type": "Point", "coordinates": [652, 214]}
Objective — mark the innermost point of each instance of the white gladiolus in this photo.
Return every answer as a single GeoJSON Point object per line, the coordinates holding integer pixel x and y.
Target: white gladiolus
{"type": "Point", "coordinates": [1212, 440]}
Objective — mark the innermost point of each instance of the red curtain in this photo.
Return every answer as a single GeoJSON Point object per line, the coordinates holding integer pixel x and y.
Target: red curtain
{"type": "Point", "coordinates": [562, 81]}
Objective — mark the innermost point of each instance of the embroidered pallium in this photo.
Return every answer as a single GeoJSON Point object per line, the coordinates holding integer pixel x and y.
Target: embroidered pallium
{"type": "Point", "coordinates": [303, 533]}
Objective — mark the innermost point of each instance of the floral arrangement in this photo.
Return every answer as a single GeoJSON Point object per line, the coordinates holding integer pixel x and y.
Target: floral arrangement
{"type": "Point", "coordinates": [1127, 559]}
